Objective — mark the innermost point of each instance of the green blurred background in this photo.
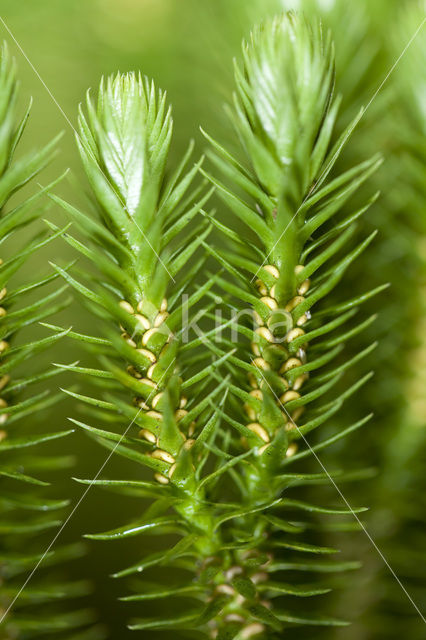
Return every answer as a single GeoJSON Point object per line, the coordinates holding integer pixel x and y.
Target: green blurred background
{"type": "Point", "coordinates": [187, 46]}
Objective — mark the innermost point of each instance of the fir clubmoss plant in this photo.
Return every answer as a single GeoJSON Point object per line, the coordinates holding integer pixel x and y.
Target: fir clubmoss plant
{"type": "Point", "coordinates": [290, 266]}
{"type": "Point", "coordinates": [221, 479]}
{"type": "Point", "coordinates": [142, 245]}
{"type": "Point", "coordinates": [26, 511]}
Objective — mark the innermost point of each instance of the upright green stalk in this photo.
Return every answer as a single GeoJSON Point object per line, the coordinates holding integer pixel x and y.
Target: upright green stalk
{"type": "Point", "coordinates": [144, 251]}
{"type": "Point", "coordinates": [285, 269]}
{"type": "Point", "coordinates": [28, 516]}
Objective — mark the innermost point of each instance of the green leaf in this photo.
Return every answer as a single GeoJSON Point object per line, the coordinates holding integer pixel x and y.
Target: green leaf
{"type": "Point", "coordinates": [304, 547]}
{"type": "Point", "coordinates": [29, 441]}
{"type": "Point", "coordinates": [158, 594]}
{"type": "Point", "coordinates": [264, 615]}
{"type": "Point", "coordinates": [245, 587]}
{"type": "Point", "coordinates": [185, 621]}
{"type": "Point", "coordinates": [314, 621]}
{"type": "Point", "coordinates": [280, 588]}
{"type": "Point", "coordinates": [134, 529]}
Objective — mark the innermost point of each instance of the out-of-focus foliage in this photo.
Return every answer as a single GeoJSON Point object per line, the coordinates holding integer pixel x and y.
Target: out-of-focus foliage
{"type": "Point", "coordinates": [28, 514]}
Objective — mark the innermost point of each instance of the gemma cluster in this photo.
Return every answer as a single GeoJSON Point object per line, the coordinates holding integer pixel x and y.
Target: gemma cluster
{"type": "Point", "coordinates": [270, 353]}
{"type": "Point", "coordinates": [152, 343]}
